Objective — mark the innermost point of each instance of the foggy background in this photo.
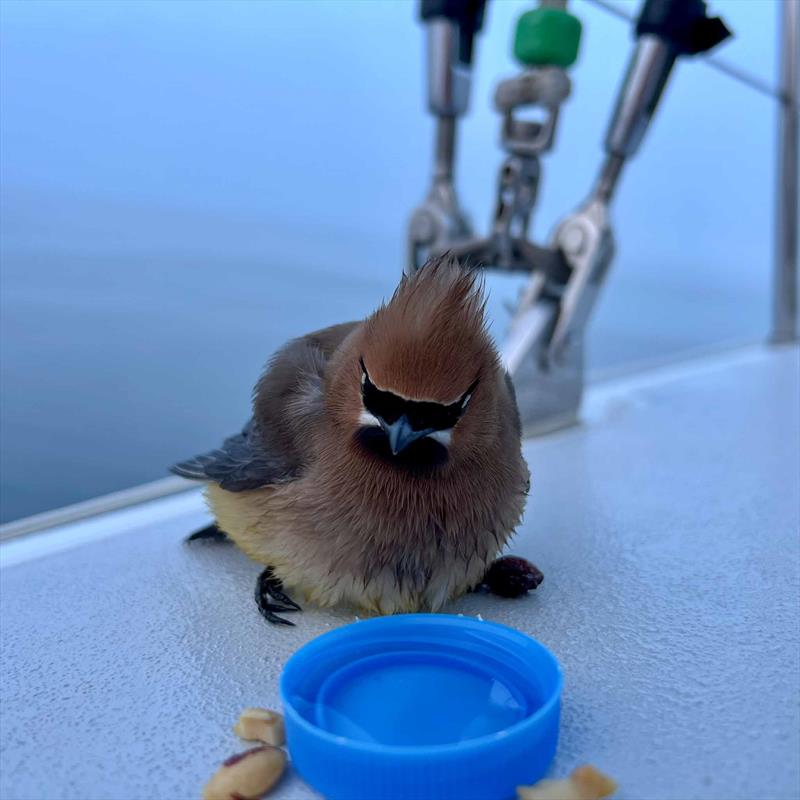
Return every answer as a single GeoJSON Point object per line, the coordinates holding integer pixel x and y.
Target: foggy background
{"type": "Point", "coordinates": [185, 185]}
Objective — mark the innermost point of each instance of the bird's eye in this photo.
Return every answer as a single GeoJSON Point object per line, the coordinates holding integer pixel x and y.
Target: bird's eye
{"type": "Point", "coordinates": [463, 402]}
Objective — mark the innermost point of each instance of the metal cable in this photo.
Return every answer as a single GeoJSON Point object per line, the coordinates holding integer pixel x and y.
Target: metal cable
{"type": "Point", "coordinates": [720, 64]}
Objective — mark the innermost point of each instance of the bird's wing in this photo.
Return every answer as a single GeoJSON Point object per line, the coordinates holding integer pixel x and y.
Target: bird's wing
{"type": "Point", "coordinates": [243, 462]}
{"type": "Point", "coordinates": [288, 402]}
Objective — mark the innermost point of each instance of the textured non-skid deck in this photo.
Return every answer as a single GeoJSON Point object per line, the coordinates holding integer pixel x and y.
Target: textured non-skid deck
{"type": "Point", "coordinates": [667, 528]}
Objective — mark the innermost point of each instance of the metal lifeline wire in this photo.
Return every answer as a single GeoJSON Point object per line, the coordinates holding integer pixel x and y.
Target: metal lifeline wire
{"type": "Point", "coordinates": [720, 64]}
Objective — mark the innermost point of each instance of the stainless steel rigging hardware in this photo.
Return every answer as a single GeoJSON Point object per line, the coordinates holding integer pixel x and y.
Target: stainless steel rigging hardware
{"type": "Point", "coordinates": [544, 347]}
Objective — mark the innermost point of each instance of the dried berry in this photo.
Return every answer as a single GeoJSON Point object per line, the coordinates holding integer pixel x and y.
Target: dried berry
{"type": "Point", "coordinates": [511, 576]}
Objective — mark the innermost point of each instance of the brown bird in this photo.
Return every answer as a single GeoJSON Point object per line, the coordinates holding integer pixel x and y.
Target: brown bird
{"type": "Point", "coordinates": [382, 466]}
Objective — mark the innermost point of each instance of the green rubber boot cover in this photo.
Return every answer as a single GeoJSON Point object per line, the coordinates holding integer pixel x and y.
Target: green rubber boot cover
{"type": "Point", "coordinates": [547, 37]}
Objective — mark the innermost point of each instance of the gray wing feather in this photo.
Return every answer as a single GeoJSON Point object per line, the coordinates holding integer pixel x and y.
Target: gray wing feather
{"type": "Point", "coordinates": [242, 462]}
{"type": "Point", "coordinates": [288, 403]}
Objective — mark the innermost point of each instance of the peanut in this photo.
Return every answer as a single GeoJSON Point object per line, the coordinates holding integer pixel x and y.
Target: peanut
{"type": "Point", "coordinates": [593, 783]}
{"type": "Point", "coordinates": [261, 725]}
{"type": "Point", "coordinates": [585, 783]}
{"type": "Point", "coordinates": [246, 776]}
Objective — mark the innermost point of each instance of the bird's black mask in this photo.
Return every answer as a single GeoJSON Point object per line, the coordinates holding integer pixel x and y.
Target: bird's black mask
{"type": "Point", "coordinates": [408, 433]}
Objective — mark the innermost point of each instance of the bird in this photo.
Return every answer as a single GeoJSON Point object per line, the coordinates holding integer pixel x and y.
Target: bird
{"type": "Point", "coordinates": [382, 466]}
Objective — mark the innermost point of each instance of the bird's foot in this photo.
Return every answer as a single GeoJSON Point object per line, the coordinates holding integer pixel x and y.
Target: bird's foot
{"type": "Point", "coordinates": [270, 598]}
{"type": "Point", "coordinates": [209, 533]}
{"type": "Point", "coordinates": [511, 576]}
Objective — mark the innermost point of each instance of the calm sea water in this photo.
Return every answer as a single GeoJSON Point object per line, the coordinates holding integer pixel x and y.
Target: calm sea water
{"type": "Point", "coordinates": [186, 185]}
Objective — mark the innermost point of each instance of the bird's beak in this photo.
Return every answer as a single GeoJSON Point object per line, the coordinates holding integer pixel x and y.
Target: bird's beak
{"type": "Point", "coordinates": [401, 434]}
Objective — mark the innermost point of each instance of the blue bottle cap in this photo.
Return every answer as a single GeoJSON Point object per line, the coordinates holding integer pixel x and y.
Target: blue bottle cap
{"type": "Point", "coordinates": [421, 707]}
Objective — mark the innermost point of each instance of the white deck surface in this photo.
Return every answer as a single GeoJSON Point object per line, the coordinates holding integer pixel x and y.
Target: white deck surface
{"type": "Point", "coordinates": [668, 531]}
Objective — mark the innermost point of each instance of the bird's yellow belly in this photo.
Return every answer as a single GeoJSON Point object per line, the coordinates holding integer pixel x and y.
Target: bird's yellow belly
{"type": "Point", "coordinates": [271, 525]}
{"type": "Point", "coordinates": [261, 522]}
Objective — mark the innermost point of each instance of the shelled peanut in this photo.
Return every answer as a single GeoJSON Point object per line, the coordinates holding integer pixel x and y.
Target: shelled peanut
{"type": "Point", "coordinates": [261, 725]}
{"type": "Point", "coordinates": [247, 776]}
{"type": "Point", "coordinates": [585, 783]}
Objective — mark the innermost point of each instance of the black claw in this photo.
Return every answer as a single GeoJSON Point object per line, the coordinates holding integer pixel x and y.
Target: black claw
{"type": "Point", "coordinates": [210, 533]}
{"type": "Point", "coordinates": [511, 576]}
{"type": "Point", "coordinates": [282, 609]}
{"type": "Point", "coordinates": [273, 618]}
{"type": "Point", "coordinates": [269, 588]}
{"type": "Point", "coordinates": [282, 597]}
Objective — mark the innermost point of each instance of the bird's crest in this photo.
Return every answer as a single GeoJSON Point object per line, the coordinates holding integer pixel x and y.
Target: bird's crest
{"type": "Point", "coordinates": [430, 342]}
